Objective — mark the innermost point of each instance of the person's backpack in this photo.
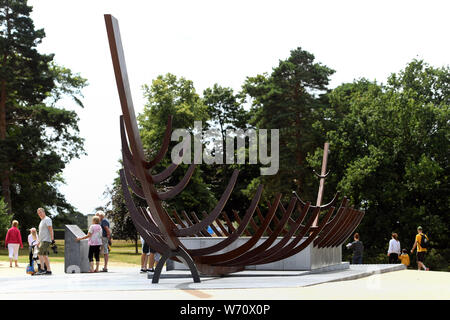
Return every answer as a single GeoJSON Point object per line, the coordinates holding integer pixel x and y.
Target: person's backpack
{"type": "Point", "coordinates": [424, 242]}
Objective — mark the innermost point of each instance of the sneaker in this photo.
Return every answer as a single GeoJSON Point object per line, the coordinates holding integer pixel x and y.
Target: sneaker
{"type": "Point", "coordinates": [40, 273]}
{"type": "Point", "coordinates": [143, 270]}
{"type": "Point", "coordinates": [48, 273]}
{"type": "Point", "coordinates": [104, 270]}
{"type": "Point", "coordinates": [151, 270]}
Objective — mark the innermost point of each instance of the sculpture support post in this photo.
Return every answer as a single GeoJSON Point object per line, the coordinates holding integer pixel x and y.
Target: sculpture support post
{"type": "Point", "coordinates": [322, 179]}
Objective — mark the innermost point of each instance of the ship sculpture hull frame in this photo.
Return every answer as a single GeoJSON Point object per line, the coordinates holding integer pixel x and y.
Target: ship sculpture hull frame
{"type": "Point", "coordinates": [296, 225]}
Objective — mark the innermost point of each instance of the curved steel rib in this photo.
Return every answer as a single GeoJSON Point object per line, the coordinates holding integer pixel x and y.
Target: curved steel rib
{"type": "Point", "coordinates": [325, 206]}
{"type": "Point", "coordinates": [332, 227]}
{"type": "Point", "coordinates": [137, 190]}
{"type": "Point", "coordinates": [251, 254]}
{"type": "Point", "coordinates": [354, 224]}
{"type": "Point", "coordinates": [180, 186]}
{"type": "Point", "coordinates": [214, 213]}
{"type": "Point", "coordinates": [213, 227]}
{"type": "Point", "coordinates": [220, 258]}
{"type": "Point", "coordinates": [228, 222]}
{"type": "Point", "coordinates": [164, 147]}
{"type": "Point", "coordinates": [286, 250]}
{"type": "Point", "coordinates": [222, 227]}
{"type": "Point", "coordinates": [264, 256]}
{"type": "Point", "coordinates": [138, 219]}
{"type": "Point", "coordinates": [344, 225]}
{"type": "Point", "coordinates": [314, 234]}
{"type": "Point", "coordinates": [237, 233]}
{"type": "Point", "coordinates": [128, 159]}
{"type": "Point", "coordinates": [204, 232]}
{"type": "Point", "coordinates": [238, 220]}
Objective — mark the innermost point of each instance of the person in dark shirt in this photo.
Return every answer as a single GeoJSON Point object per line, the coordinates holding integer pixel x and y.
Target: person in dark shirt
{"type": "Point", "coordinates": [358, 249]}
{"type": "Point", "coordinates": [106, 238]}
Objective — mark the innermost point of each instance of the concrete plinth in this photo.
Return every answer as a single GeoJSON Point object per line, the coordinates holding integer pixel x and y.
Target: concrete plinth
{"type": "Point", "coordinates": [309, 259]}
{"type": "Point", "coordinates": [75, 252]}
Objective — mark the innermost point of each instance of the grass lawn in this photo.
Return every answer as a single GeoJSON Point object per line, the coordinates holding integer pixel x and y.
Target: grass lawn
{"type": "Point", "coordinates": [122, 251]}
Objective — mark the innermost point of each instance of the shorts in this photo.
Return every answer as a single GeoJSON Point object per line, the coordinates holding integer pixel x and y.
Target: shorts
{"type": "Point", "coordinates": [44, 248]}
{"type": "Point", "coordinates": [146, 249]}
{"type": "Point", "coordinates": [421, 256]}
{"type": "Point", "coordinates": [105, 245]}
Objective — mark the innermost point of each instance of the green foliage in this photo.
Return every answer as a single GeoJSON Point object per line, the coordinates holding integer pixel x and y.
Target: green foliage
{"type": "Point", "coordinates": [38, 137]}
{"type": "Point", "coordinates": [388, 146]}
{"type": "Point", "coordinates": [5, 219]}
{"type": "Point", "coordinates": [289, 100]}
{"type": "Point", "coordinates": [75, 217]}
{"type": "Point", "coordinates": [225, 109]}
{"type": "Point", "coordinates": [227, 113]}
{"type": "Point", "coordinates": [389, 153]}
{"type": "Point", "coordinates": [169, 95]}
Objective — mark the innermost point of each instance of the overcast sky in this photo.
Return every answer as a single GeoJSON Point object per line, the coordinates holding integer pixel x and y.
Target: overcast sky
{"type": "Point", "coordinates": [220, 42]}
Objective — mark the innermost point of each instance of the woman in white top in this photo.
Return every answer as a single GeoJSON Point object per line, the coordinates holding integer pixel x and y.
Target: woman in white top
{"type": "Point", "coordinates": [95, 241]}
{"type": "Point", "coordinates": [394, 249]}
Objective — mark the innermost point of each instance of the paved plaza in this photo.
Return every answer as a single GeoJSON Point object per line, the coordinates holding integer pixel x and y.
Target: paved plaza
{"type": "Point", "coordinates": [125, 282]}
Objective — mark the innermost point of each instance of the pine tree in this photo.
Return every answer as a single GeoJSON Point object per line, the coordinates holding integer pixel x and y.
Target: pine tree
{"type": "Point", "coordinates": [37, 137]}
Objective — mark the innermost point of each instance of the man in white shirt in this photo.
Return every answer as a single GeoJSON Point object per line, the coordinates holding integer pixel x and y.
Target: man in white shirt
{"type": "Point", "coordinates": [46, 239]}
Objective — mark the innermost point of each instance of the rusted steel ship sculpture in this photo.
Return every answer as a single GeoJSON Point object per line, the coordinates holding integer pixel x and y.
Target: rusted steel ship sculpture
{"type": "Point", "coordinates": [299, 224]}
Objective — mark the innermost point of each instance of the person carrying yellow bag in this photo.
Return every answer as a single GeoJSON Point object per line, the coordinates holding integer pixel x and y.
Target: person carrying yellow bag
{"type": "Point", "coordinates": [422, 243]}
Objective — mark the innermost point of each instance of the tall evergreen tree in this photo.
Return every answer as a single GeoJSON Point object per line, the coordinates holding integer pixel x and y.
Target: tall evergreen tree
{"type": "Point", "coordinates": [288, 99]}
{"type": "Point", "coordinates": [37, 137]}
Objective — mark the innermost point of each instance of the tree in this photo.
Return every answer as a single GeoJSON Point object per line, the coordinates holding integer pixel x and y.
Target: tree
{"type": "Point", "coordinates": [389, 152]}
{"type": "Point", "coordinates": [37, 136]}
{"type": "Point", "coordinates": [224, 109]}
{"type": "Point", "coordinates": [74, 217]}
{"type": "Point", "coordinates": [289, 99]}
{"type": "Point", "coordinates": [5, 219]}
{"type": "Point", "coordinates": [169, 95]}
{"type": "Point", "coordinates": [227, 113]}
{"type": "Point", "coordinates": [123, 227]}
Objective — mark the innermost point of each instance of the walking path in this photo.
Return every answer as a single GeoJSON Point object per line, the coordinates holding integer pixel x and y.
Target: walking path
{"type": "Point", "coordinates": [125, 282]}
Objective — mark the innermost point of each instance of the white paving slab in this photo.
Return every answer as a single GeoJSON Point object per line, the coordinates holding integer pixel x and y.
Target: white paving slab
{"type": "Point", "coordinates": [128, 279]}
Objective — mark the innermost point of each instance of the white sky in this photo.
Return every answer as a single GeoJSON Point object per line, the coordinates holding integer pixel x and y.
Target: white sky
{"type": "Point", "coordinates": [221, 42]}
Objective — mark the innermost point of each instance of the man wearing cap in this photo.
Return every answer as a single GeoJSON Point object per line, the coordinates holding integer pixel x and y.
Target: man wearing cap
{"type": "Point", "coordinates": [421, 252]}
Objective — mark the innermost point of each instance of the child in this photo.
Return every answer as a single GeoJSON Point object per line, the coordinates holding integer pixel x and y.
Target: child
{"type": "Point", "coordinates": [404, 257]}
{"type": "Point", "coordinates": [95, 242]}
{"type": "Point", "coordinates": [33, 242]}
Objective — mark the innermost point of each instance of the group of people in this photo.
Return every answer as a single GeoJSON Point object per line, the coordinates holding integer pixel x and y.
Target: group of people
{"type": "Point", "coordinates": [99, 235]}
{"type": "Point", "coordinates": [99, 240]}
{"type": "Point", "coordinates": [394, 252]}
{"type": "Point", "coordinates": [39, 244]}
